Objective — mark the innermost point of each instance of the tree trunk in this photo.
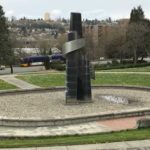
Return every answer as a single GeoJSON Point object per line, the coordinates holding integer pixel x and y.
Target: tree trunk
{"type": "Point", "coordinates": [121, 57]}
{"type": "Point", "coordinates": [47, 64]}
{"type": "Point", "coordinates": [11, 67]}
{"type": "Point", "coordinates": [142, 58]}
{"type": "Point", "coordinates": [135, 56]}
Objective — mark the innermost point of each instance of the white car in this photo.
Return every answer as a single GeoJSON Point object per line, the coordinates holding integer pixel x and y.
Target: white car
{"type": "Point", "coordinates": [2, 67]}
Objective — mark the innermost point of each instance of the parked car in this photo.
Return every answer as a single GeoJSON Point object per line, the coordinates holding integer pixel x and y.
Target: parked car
{"type": "Point", "coordinates": [2, 67]}
{"type": "Point", "coordinates": [57, 58]}
{"type": "Point", "coordinates": [24, 65]}
{"type": "Point", "coordinates": [28, 61]}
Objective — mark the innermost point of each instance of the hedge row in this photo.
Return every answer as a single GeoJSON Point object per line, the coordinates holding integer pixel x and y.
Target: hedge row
{"type": "Point", "coordinates": [58, 66]}
{"type": "Point", "coordinates": [119, 66]}
{"type": "Point", "coordinates": [62, 66]}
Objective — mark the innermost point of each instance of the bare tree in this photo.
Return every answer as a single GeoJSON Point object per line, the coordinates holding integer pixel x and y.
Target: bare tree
{"type": "Point", "coordinates": [60, 41]}
{"type": "Point", "coordinates": [89, 46]}
{"type": "Point", "coordinates": [136, 40]}
{"type": "Point", "coordinates": [44, 46]}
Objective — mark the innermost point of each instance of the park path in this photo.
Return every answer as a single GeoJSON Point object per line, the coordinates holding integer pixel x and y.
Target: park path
{"type": "Point", "coordinates": [86, 128]}
{"type": "Point", "coordinates": [17, 82]}
{"type": "Point", "coordinates": [83, 128]}
{"type": "Point", "coordinates": [115, 72]}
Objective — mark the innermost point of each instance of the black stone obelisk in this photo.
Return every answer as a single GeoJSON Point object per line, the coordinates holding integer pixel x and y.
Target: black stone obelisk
{"type": "Point", "coordinates": [77, 66]}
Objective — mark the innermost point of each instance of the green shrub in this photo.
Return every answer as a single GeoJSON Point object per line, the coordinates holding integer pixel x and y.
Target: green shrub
{"type": "Point", "coordinates": [119, 66]}
{"type": "Point", "coordinates": [115, 62]}
{"type": "Point", "coordinates": [58, 66]}
{"type": "Point", "coordinates": [131, 62]}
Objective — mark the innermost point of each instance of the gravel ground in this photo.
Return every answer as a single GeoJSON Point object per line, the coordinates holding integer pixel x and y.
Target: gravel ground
{"type": "Point", "coordinates": [49, 105]}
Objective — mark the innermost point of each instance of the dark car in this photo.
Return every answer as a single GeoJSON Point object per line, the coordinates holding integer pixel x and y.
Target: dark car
{"type": "Point", "coordinates": [57, 58]}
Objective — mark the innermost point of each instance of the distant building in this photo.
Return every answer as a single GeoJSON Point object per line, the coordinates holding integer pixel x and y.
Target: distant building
{"type": "Point", "coordinates": [101, 33]}
{"type": "Point", "coordinates": [123, 22]}
{"type": "Point", "coordinates": [95, 33]}
{"type": "Point", "coordinates": [47, 16]}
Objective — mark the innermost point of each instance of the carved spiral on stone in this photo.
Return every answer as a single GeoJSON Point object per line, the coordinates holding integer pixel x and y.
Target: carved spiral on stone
{"type": "Point", "coordinates": [74, 45]}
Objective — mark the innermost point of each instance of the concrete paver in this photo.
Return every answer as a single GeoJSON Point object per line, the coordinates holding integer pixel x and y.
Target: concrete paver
{"type": "Point", "coordinates": [84, 128]}
{"type": "Point", "coordinates": [111, 146]}
{"type": "Point", "coordinates": [120, 124]}
{"type": "Point", "coordinates": [51, 104]}
{"type": "Point", "coordinates": [54, 148]}
{"type": "Point", "coordinates": [146, 143]}
{"type": "Point", "coordinates": [19, 83]}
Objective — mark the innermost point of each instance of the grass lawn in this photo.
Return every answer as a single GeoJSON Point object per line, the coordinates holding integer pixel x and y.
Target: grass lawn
{"type": "Point", "coordinates": [5, 86]}
{"type": "Point", "coordinates": [138, 69]}
{"type": "Point", "coordinates": [122, 79]}
{"type": "Point", "coordinates": [45, 80]}
{"type": "Point", "coordinates": [49, 80]}
{"type": "Point", "coordinates": [140, 134]}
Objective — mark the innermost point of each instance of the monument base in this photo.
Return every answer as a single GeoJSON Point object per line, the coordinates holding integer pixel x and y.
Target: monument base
{"type": "Point", "coordinates": [72, 101]}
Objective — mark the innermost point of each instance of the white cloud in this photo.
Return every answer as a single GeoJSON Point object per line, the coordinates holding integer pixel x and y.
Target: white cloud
{"type": "Point", "coordinates": [100, 9]}
{"type": "Point", "coordinates": [9, 13]}
{"type": "Point", "coordinates": [27, 16]}
{"type": "Point", "coordinates": [97, 13]}
{"type": "Point", "coordinates": [55, 14]}
{"type": "Point", "coordinates": [147, 15]}
{"type": "Point", "coordinates": [116, 16]}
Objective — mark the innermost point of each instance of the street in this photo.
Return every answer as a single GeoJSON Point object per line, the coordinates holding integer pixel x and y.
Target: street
{"type": "Point", "coordinates": [22, 69]}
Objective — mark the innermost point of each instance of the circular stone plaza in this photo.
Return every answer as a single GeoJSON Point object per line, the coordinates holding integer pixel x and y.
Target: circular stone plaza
{"type": "Point", "coordinates": [50, 104]}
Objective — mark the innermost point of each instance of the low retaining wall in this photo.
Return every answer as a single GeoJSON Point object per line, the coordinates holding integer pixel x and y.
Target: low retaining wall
{"type": "Point", "coordinates": [62, 88]}
{"type": "Point", "coordinates": [143, 123]}
{"type": "Point", "coordinates": [72, 120]}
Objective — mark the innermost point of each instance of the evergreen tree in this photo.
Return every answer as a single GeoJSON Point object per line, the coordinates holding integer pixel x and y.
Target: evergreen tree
{"type": "Point", "coordinates": [137, 14]}
{"type": "Point", "coordinates": [138, 28]}
{"type": "Point", "coordinates": [6, 53]}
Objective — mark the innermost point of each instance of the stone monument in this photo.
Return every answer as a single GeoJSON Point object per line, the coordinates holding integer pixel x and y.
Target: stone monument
{"type": "Point", "coordinates": [78, 81]}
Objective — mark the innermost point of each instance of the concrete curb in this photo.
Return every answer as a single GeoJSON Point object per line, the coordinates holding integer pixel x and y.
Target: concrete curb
{"type": "Point", "coordinates": [16, 122]}
{"type": "Point", "coordinates": [62, 88]}
{"type": "Point", "coordinates": [12, 122]}
{"type": "Point", "coordinates": [24, 91]}
{"type": "Point", "coordinates": [143, 88]}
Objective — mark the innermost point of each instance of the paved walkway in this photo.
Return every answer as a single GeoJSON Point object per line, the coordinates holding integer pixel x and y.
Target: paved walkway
{"type": "Point", "coordinates": [120, 124]}
{"type": "Point", "coordinates": [115, 72]}
{"type": "Point", "coordinates": [84, 128]}
{"type": "Point", "coordinates": [128, 145]}
{"type": "Point", "coordinates": [18, 83]}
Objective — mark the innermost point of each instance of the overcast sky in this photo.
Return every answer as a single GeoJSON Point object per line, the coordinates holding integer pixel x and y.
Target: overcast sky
{"type": "Point", "coordinates": [90, 9]}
